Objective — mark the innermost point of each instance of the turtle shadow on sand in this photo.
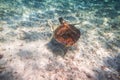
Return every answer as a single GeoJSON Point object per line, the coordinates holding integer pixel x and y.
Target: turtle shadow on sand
{"type": "Point", "coordinates": [59, 49]}
{"type": "Point", "coordinates": [56, 47]}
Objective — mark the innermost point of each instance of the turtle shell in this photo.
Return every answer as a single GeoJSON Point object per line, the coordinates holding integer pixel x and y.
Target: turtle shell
{"type": "Point", "coordinates": [66, 34]}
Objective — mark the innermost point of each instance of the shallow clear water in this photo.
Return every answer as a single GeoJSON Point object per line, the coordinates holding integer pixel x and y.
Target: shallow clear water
{"type": "Point", "coordinates": [24, 33]}
{"type": "Point", "coordinates": [14, 11]}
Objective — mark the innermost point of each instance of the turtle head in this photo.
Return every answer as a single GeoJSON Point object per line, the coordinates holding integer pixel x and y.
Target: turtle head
{"type": "Point", "coordinates": [61, 20]}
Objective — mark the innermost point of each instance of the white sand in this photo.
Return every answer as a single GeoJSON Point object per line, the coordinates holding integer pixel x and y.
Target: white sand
{"type": "Point", "coordinates": [26, 55]}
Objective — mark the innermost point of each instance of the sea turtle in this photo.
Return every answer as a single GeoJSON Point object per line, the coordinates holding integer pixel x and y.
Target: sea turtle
{"type": "Point", "coordinates": [66, 34]}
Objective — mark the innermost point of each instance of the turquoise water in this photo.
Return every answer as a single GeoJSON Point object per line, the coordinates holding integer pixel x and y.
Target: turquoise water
{"type": "Point", "coordinates": [14, 11]}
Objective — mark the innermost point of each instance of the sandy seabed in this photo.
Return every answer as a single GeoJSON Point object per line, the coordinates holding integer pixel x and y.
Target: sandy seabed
{"type": "Point", "coordinates": [27, 52]}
